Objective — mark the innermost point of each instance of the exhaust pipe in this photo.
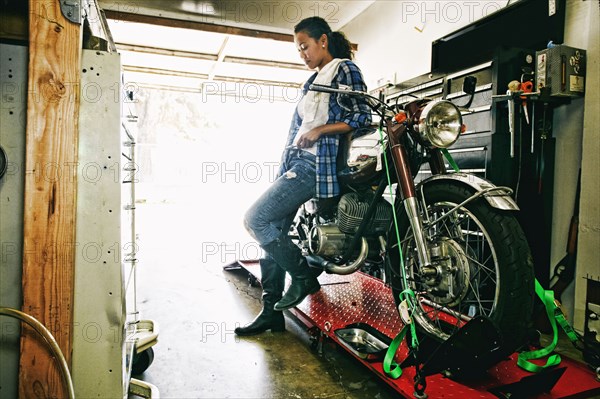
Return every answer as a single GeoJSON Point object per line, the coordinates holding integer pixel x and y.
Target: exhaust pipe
{"type": "Point", "coordinates": [345, 269]}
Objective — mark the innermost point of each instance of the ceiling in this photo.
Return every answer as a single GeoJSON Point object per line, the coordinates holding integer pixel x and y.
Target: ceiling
{"type": "Point", "coordinates": [182, 44]}
{"type": "Point", "coordinates": [276, 16]}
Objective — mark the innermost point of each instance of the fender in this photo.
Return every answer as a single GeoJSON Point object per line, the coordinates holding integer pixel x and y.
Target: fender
{"type": "Point", "coordinates": [500, 199]}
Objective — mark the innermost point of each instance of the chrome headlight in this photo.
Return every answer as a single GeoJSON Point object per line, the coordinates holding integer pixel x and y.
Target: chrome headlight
{"type": "Point", "coordinates": [440, 124]}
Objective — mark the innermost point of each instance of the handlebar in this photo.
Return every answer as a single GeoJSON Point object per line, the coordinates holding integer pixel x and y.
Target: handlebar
{"type": "Point", "coordinates": [374, 102]}
{"type": "Point", "coordinates": [342, 90]}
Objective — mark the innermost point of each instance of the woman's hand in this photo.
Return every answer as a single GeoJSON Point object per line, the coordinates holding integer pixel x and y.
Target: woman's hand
{"type": "Point", "coordinates": [309, 138]}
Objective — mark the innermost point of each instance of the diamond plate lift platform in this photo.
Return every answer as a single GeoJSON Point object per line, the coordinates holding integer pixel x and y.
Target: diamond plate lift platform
{"type": "Point", "coordinates": [360, 298]}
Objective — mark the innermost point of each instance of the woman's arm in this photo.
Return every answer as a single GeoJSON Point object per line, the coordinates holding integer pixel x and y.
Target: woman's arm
{"type": "Point", "coordinates": [309, 138]}
{"type": "Point", "coordinates": [356, 111]}
{"type": "Point", "coordinates": [343, 120]}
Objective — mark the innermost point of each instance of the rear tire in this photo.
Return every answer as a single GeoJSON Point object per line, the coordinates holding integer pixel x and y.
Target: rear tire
{"type": "Point", "coordinates": [481, 262]}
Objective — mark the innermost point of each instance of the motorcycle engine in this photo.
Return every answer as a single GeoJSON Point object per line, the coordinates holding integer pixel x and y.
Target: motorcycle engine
{"type": "Point", "coordinates": [332, 239]}
{"type": "Point", "coordinates": [352, 209]}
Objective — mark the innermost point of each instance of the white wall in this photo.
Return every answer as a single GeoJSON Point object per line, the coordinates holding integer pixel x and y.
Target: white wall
{"type": "Point", "coordinates": [576, 128]}
{"type": "Point", "coordinates": [388, 29]}
{"type": "Point", "coordinates": [388, 33]}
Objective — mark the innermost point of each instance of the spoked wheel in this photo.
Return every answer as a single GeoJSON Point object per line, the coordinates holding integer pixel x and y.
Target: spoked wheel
{"type": "Point", "coordinates": [481, 265]}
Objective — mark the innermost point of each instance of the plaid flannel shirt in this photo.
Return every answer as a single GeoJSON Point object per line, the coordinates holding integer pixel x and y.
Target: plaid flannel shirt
{"type": "Point", "coordinates": [357, 115]}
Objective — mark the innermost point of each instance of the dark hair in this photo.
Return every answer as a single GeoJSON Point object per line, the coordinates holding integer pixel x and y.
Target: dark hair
{"type": "Point", "coordinates": [315, 27]}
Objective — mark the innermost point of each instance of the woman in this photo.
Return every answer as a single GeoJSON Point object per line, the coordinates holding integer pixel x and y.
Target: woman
{"type": "Point", "coordinates": [308, 169]}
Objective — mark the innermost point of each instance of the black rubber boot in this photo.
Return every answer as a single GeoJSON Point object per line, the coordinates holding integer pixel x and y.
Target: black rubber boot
{"type": "Point", "coordinates": [288, 257]}
{"type": "Point", "coordinates": [272, 281]}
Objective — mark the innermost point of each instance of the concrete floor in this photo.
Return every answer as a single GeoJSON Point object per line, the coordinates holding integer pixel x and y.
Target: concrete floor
{"type": "Point", "coordinates": [197, 305]}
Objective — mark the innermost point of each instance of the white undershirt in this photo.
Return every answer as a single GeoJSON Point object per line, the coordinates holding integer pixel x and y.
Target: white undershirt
{"type": "Point", "coordinates": [313, 148]}
{"type": "Point", "coordinates": [313, 107]}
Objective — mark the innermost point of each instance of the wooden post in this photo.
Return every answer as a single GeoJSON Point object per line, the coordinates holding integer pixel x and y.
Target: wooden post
{"type": "Point", "coordinates": [50, 193]}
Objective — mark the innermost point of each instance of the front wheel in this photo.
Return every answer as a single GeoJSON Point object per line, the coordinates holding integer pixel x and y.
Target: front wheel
{"type": "Point", "coordinates": [481, 265]}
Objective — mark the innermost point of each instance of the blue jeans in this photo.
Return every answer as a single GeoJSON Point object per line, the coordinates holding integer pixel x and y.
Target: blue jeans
{"type": "Point", "coordinates": [271, 216]}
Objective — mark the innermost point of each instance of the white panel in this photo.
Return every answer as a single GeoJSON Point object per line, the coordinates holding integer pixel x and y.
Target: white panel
{"type": "Point", "coordinates": [99, 314]}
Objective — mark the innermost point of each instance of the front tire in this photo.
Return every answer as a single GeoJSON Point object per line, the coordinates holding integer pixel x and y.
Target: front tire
{"type": "Point", "coordinates": [481, 266]}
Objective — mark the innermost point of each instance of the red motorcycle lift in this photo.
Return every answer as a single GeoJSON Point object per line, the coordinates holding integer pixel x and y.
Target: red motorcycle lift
{"type": "Point", "coordinates": [359, 300]}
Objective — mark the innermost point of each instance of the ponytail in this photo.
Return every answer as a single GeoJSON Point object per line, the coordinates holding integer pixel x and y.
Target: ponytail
{"type": "Point", "coordinates": [339, 45]}
{"type": "Point", "coordinates": [315, 27]}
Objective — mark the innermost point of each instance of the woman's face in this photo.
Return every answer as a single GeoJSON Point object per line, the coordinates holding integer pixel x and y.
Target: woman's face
{"type": "Point", "coordinates": [313, 52]}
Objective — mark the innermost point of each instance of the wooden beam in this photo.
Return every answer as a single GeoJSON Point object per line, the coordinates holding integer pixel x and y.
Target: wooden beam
{"type": "Point", "coordinates": [203, 26]}
{"type": "Point", "coordinates": [50, 193]}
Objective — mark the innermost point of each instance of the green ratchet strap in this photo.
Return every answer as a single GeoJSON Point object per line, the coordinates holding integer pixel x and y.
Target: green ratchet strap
{"type": "Point", "coordinates": [554, 315]}
{"type": "Point", "coordinates": [408, 294]}
{"type": "Point", "coordinates": [450, 160]}
{"type": "Point", "coordinates": [562, 321]}
{"type": "Point", "coordinates": [388, 360]}
{"type": "Point", "coordinates": [409, 297]}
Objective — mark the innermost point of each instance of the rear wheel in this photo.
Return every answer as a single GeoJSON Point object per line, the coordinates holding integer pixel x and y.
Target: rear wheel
{"type": "Point", "coordinates": [481, 265]}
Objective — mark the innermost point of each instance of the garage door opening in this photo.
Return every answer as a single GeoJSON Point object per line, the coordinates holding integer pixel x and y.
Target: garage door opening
{"type": "Point", "coordinates": [202, 161]}
{"type": "Point", "coordinates": [210, 114]}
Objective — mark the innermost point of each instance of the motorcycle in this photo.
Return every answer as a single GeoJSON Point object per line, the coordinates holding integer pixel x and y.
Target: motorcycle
{"type": "Point", "coordinates": [451, 238]}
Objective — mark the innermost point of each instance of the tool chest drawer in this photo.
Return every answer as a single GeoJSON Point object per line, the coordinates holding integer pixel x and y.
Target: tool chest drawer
{"type": "Point", "coordinates": [472, 153]}
{"type": "Point", "coordinates": [472, 150]}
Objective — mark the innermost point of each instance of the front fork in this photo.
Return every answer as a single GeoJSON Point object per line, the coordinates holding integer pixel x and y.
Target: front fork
{"type": "Point", "coordinates": [411, 205]}
{"type": "Point", "coordinates": [408, 191]}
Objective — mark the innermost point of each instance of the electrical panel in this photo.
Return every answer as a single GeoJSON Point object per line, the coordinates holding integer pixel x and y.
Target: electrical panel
{"type": "Point", "coordinates": [561, 69]}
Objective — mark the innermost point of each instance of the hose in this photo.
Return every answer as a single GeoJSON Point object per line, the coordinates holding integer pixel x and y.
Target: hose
{"type": "Point", "coordinates": [3, 162]}
{"type": "Point", "coordinates": [50, 341]}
